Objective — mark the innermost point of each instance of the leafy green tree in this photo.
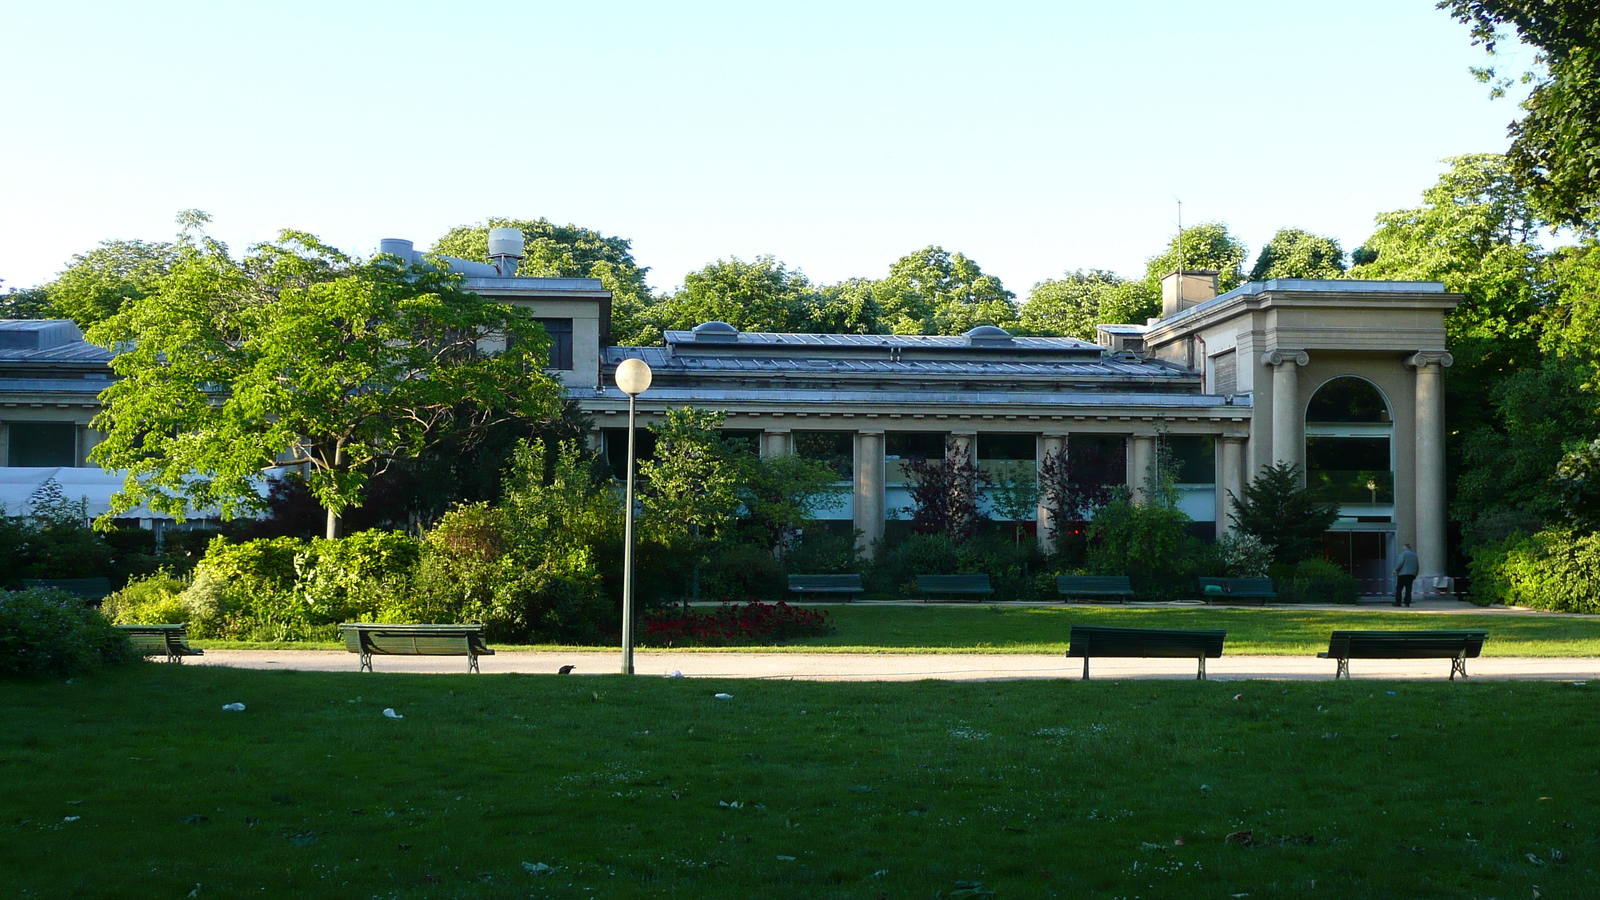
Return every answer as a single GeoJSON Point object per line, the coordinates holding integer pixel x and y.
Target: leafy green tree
{"type": "Point", "coordinates": [1208, 245]}
{"type": "Point", "coordinates": [1577, 479]}
{"type": "Point", "coordinates": [1014, 494]}
{"type": "Point", "coordinates": [1555, 146]}
{"type": "Point", "coordinates": [934, 291]}
{"type": "Point", "coordinates": [99, 284]}
{"type": "Point", "coordinates": [1504, 480]}
{"type": "Point", "coordinates": [571, 251]}
{"type": "Point", "coordinates": [1477, 232]}
{"type": "Point", "coordinates": [1138, 539]}
{"type": "Point", "coordinates": [1071, 306]}
{"type": "Point", "coordinates": [1293, 253]}
{"type": "Point", "coordinates": [298, 355]}
{"type": "Point", "coordinates": [761, 295]}
{"type": "Point", "coordinates": [849, 307]}
{"type": "Point", "coordinates": [779, 497]}
{"type": "Point", "coordinates": [691, 486]}
{"type": "Point", "coordinates": [1276, 509]}
{"type": "Point", "coordinates": [26, 303]}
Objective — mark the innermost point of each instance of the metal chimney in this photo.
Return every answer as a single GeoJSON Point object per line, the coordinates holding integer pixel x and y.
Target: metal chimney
{"type": "Point", "coordinates": [505, 250]}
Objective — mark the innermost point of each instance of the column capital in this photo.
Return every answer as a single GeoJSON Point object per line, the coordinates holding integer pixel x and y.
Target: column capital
{"type": "Point", "coordinates": [1279, 357]}
{"type": "Point", "coordinates": [1424, 358]}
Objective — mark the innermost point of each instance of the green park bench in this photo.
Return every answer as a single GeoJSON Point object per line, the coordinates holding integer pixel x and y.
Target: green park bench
{"type": "Point", "coordinates": [1094, 587]}
{"type": "Point", "coordinates": [91, 589]}
{"type": "Point", "coordinates": [1090, 641]}
{"type": "Point", "coordinates": [1456, 646]}
{"type": "Point", "coordinates": [849, 585]}
{"type": "Point", "coordinates": [414, 640]}
{"type": "Point", "coordinates": [171, 641]}
{"type": "Point", "coordinates": [973, 586]}
{"type": "Point", "coordinates": [1231, 590]}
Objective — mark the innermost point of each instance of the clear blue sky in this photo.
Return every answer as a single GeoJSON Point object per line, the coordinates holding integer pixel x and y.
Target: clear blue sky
{"type": "Point", "coordinates": [836, 136]}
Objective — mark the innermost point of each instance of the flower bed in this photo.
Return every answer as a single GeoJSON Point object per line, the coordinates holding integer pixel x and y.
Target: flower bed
{"type": "Point", "coordinates": [731, 625]}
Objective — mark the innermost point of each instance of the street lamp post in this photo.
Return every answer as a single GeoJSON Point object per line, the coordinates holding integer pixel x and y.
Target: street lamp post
{"type": "Point", "coordinates": [633, 378]}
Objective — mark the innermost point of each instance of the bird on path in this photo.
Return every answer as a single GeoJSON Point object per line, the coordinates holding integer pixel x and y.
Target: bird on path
{"type": "Point", "coordinates": [565, 670]}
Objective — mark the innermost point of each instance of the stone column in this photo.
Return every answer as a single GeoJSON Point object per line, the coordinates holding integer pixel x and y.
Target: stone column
{"type": "Point", "coordinates": [1141, 457]}
{"type": "Point", "coordinates": [1430, 475]}
{"type": "Point", "coordinates": [1230, 478]}
{"type": "Point", "coordinates": [1288, 427]}
{"type": "Point", "coordinates": [963, 440]}
{"type": "Point", "coordinates": [869, 488]}
{"type": "Point", "coordinates": [775, 442]}
{"type": "Point", "coordinates": [1049, 445]}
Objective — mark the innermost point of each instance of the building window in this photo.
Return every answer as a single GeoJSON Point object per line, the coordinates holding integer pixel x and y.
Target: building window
{"type": "Point", "coordinates": [1194, 458]}
{"type": "Point", "coordinates": [43, 444]}
{"type": "Point", "coordinates": [560, 332]}
{"type": "Point", "coordinates": [835, 449]}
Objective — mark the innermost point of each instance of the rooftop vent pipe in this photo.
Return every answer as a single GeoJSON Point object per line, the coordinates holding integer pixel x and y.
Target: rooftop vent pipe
{"type": "Point", "coordinates": [505, 250]}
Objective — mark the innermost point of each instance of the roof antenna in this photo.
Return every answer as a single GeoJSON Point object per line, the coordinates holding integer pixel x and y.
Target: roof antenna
{"type": "Point", "coordinates": [1180, 250]}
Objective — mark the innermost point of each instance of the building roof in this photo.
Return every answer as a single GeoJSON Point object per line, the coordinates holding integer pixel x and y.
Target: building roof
{"type": "Point", "coordinates": [29, 341]}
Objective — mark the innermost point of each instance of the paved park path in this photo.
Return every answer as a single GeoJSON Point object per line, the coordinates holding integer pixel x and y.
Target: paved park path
{"type": "Point", "coordinates": [944, 666]}
{"type": "Point", "coordinates": [907, 666]}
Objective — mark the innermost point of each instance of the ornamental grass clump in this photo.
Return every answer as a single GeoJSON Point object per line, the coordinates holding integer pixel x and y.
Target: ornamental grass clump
{"type": "Point", "coordinates": [732, 625]}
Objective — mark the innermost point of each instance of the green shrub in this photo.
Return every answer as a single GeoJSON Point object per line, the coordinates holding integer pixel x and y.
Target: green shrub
{"type": "Point", "coordinates": [1554, 570]}
{"type": "Point", "coordinates": [50, 633]}
{"type": "Point", "coordinates": [1321, 581]}
{"type": "Point", "coordinates": [248, 589]}
{"type": "Point", "coordinates": [153, 600]}
{"type": "Point", "coordinates": [355, 578]}
{"type": "Point", "coordinates": [739, 572]}
{"type": "Point", "coordinates": [895, 569]}
{"type": "Point", "coordinates": [820, 551]}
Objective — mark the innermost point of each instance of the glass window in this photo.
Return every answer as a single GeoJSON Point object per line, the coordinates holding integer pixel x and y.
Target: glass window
{"type": "Point", "coordinates": [1194, 458]}
{"type": "Point", "coordinates": [906, 444]}
{"type": "Point", "coordinates": [837, 449]}
{"type": "Point", "coordinates": [1347, 399]}
{"type": "Point", "coordinates": [1097, 459]}
{"type": "Point", "coordinates": [560, 333]}
{"type": "Point", "coordinates": [1008, 446]}
{"type": "Point", "coordinates": [43, 444]}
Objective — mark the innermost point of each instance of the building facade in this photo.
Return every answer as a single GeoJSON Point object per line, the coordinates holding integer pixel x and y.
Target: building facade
{"type": "Point", "coordinates": [1343, 378]}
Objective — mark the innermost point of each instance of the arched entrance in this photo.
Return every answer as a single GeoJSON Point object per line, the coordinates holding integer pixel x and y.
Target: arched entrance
{"type": "Point", "coordinates": [1350, 461]}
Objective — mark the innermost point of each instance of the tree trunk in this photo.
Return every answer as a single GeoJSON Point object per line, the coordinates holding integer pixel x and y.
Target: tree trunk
{"type": "Point", "coordinates": [335, 522]}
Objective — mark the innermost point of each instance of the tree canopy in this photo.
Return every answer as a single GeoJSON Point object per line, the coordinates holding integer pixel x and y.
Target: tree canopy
{"type": "Point", "coordinates": [1071, 306]}
{"type": "Point", "coordinates": [298, 355]}
{"type": "Point", "coordinates": [570, 251]}
{"type": "Point", "coordinates": [1293, 253]}
{"type": "Point", "coordinates": [1208, 245]}
{"type": "Point", "coordinates": [1276, 509]}
{"type": "Point", "coordinates": [934, 291]}
{"type": "Point", "coordinates": [761, 295]}
{"type": "Point", "coordinates": [1555, 146]}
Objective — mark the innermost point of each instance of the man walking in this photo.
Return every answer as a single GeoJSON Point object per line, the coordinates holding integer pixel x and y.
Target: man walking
{"type": "Point", "coordinates": [1405, 572]}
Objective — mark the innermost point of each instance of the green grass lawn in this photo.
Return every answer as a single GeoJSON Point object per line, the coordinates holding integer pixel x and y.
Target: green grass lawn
{"type": "Point", "coordinates": [1274, 631]}
{"type": "Point", "coordinates": [136, 783]}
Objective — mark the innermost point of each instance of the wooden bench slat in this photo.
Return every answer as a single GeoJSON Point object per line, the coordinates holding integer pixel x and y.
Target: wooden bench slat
{"type": "Point", "coordinates": [370, 639]}
{"type": "Point", "coordinates": [171, 641]}
{"type": "Point", "coordinates": [826, 584]}
{"type": "Point", "coordinates": [1457, 646]}
{"type": "Point", "coordinates": [1118, 586]}
{"type": "Point", "coordinates": [1212, 589]}
{"type": "Point", "coordinates": [1089, 641]}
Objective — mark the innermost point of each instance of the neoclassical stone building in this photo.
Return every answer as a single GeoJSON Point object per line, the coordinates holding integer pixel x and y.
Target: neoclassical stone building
{"type": "Point", "coordinates": [1340, 377]}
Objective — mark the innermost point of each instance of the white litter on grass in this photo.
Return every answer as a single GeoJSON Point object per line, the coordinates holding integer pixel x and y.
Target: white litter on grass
{"type": "Point", "coordinates": [785, 859]}
{"type": "Point", "coordinates": [234, 707]}
{"type": "Point", "coordinates": [674, 674]}
{"type": "Point", "coordinates": [539, 868]}
{"type": "Point", "coordinates": [392, 714]}
{"type": "Point", "coordinates": [72, 818]}
{"type": "Point", "coordinates": [724, 696]}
